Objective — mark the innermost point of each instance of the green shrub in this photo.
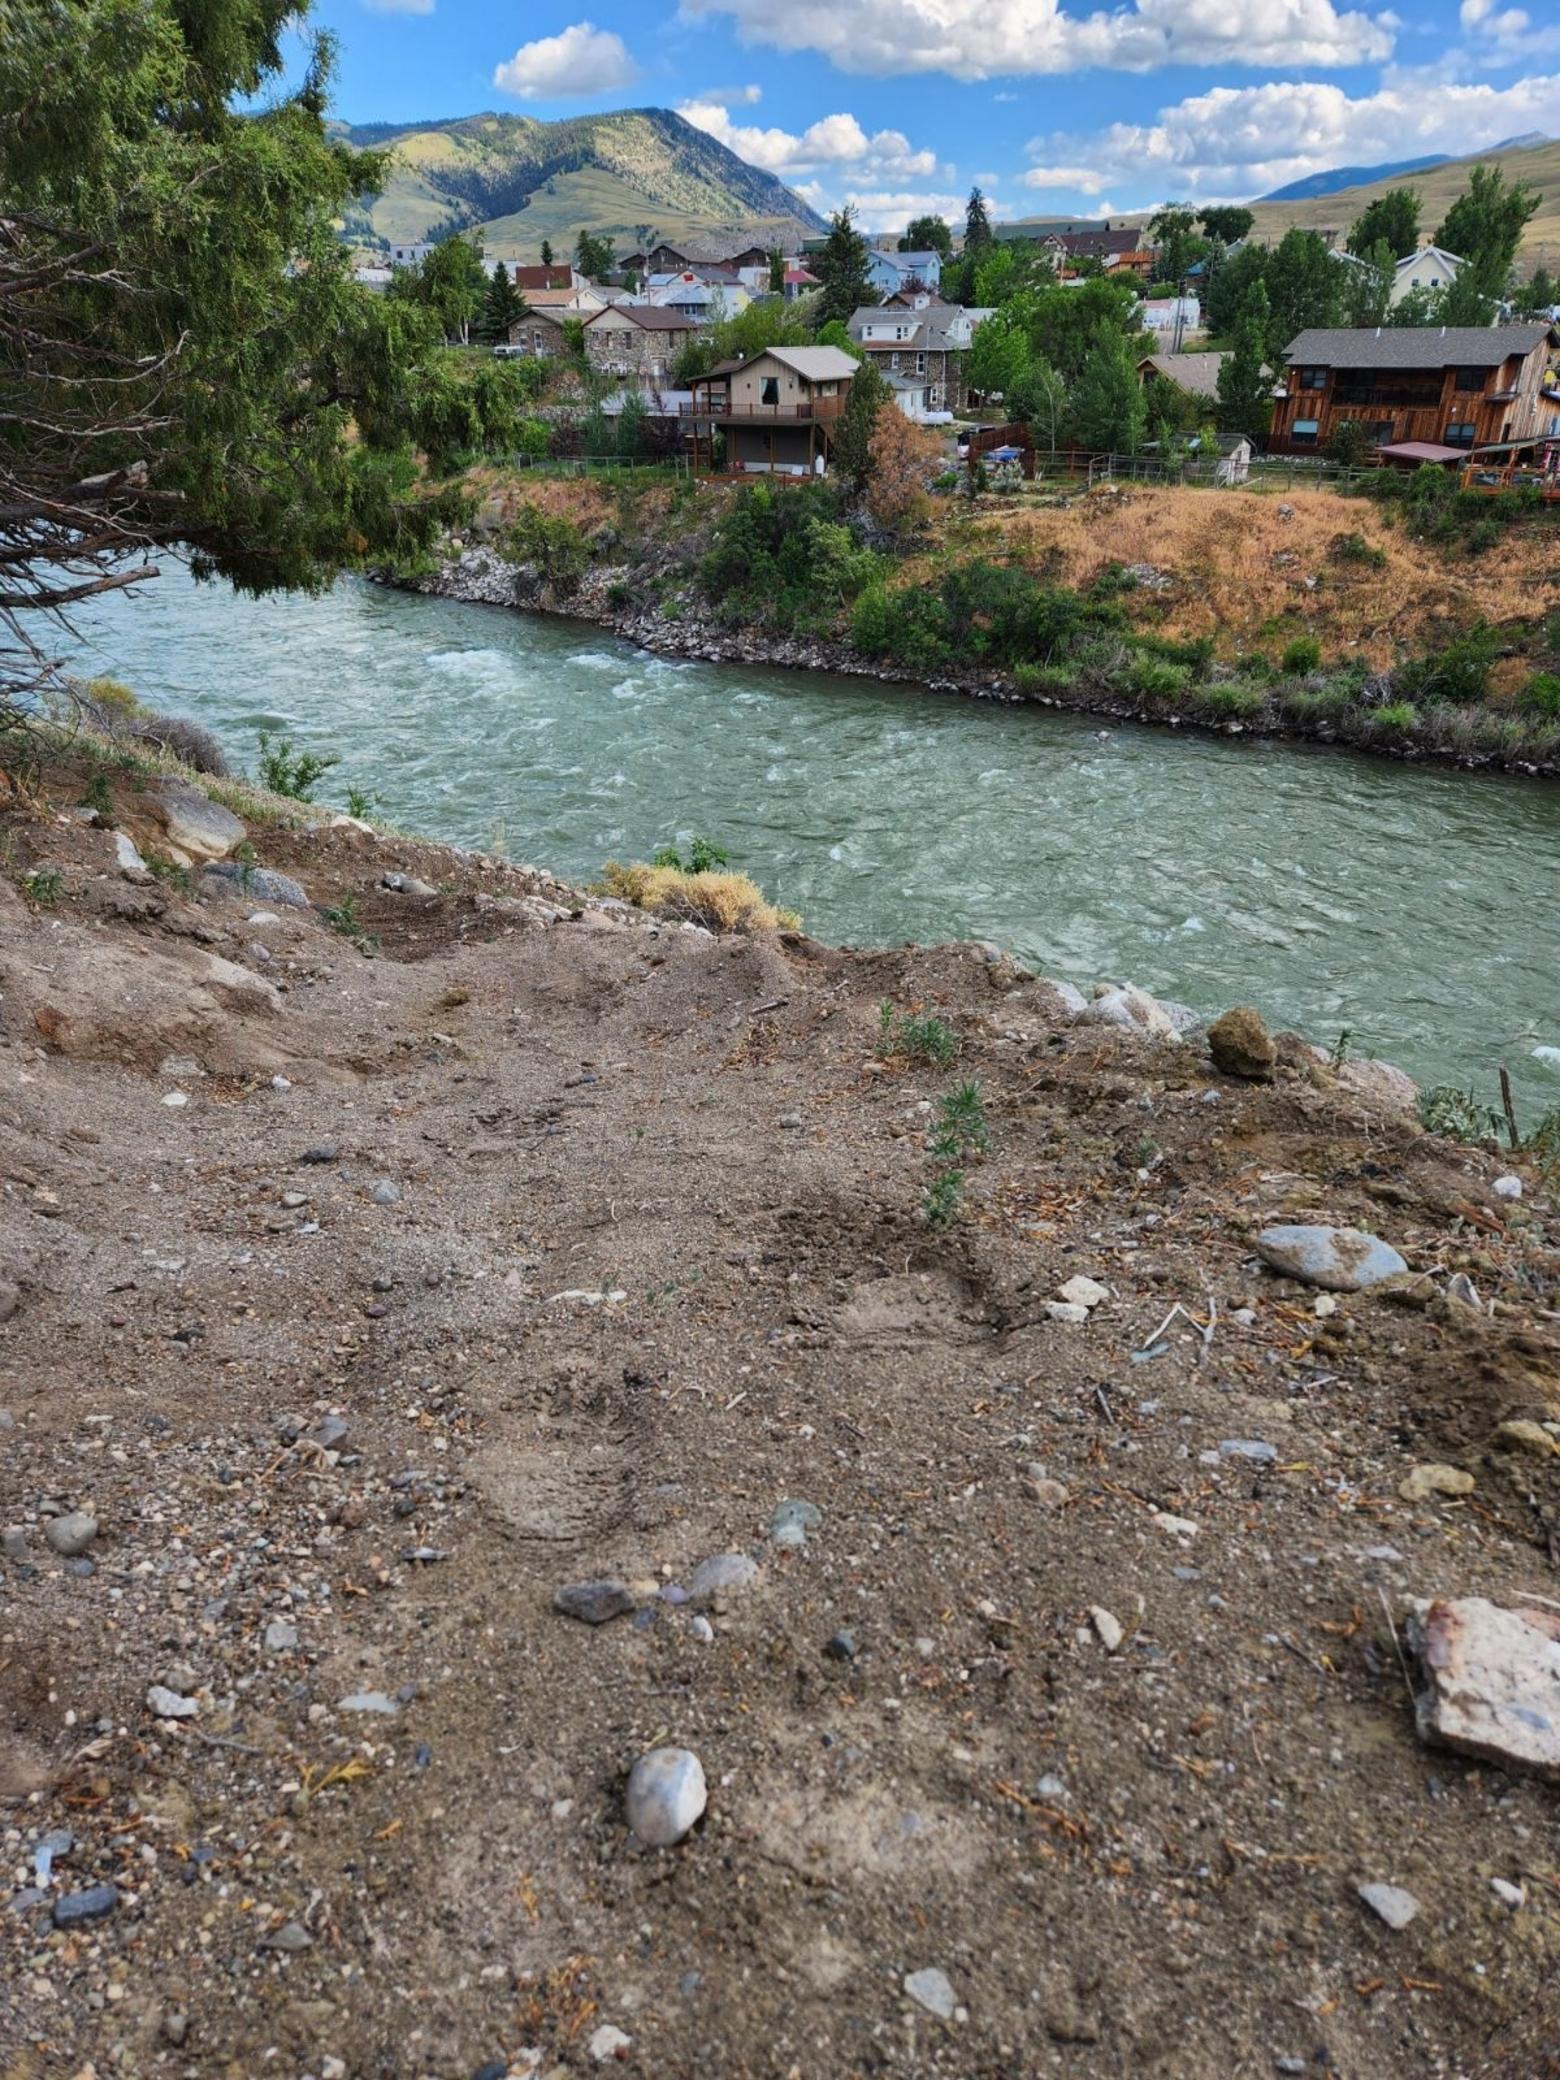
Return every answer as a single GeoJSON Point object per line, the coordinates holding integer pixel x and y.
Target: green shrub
{"type": "Point", "coordinates": [704, 857]}
{"type": "Point", "coordinates": [286, 770]}
{"type": "Point", "coordinates": [1196, 654]}
{"type": "Point", "coordinates": [1044, 678]}
{"type": "Point", "coordinates": [1234, 697]}
{"type": "Point", "coordinates": [1458, 1115]}
{"type": "Point", "coordinates": [961, 1126]}
{"type": "Point", "coordinates": [42, 885]}
{"type": "Point", "coordinates": [1353, 548]}
{"type": "Point", "coordinates": [1156, 678]}
{"type": "Point", "coordinates": [920, 1037]}
{"type": "Point", "coordinates": [785, 557]}
{"type": "Point", "coordinates": [1398, 715]}
{"type": "Point", "coordinates": [979, 613]}
{"type": "Point", "coordinates": [1302, 655]}
{"type": "Point", "coordinates": [553, 543]}
{"type": "Point", "coordinates": [1542, 694]}
{"type": "Point", "coordinates": [1459, 674]}
{"type": "Point", "coordinates": [943, 1196]}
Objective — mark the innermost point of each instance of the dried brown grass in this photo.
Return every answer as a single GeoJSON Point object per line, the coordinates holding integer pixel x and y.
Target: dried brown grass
{"type": "Point", "coordinates": [719, 902]}
{"type": "Point", "coordinates": [1238, 567]}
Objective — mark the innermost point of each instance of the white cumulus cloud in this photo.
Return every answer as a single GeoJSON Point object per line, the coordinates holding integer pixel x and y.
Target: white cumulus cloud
{"type": "Point", "coordinates": [994, 39]}
{"type": "Point", "coordinates": [1078, 180]}
{"type": "Point", "coordinates": [577, 61]}
{"type": "Point", "coordinates": [836, 141]}
{"type": "Point", "coordinates": [1243, 141]}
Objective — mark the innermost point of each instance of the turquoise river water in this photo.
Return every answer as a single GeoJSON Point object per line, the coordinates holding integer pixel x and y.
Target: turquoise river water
{"type": "Point", "coordinates": [1418, 908]}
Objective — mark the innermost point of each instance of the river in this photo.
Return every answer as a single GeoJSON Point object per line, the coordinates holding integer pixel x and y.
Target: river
{"type": "Point", "coordinates": [1412, 907]}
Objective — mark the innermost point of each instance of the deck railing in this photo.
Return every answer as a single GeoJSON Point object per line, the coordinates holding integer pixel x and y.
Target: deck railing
{"type": "Point", "coordinates": [820, 408]}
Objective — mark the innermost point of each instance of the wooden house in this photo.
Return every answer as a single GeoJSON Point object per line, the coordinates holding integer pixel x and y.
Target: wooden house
{"type": "Point", "coordinates": [778, 411]}
{"type": "Point", "coordinates": [1462, 386]}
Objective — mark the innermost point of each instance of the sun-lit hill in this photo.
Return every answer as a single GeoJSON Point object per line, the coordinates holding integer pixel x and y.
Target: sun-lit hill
{"type": "Point", "coordinates": [628, 174]}
{"type": "Point", "coordinates": [1537, 166]}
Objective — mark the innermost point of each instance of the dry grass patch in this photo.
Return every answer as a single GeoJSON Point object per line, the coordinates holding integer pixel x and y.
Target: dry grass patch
{"type": "Point", "coordinates": [1239, 567]}
{"type": "Point", "coordinates": [721, 902]}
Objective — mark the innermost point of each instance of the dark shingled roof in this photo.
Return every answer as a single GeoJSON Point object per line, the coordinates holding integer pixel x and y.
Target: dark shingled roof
{"type": "Point", "coordinates": [654, 317]}
{"type": "Point", "coordinates": [1415, 346]}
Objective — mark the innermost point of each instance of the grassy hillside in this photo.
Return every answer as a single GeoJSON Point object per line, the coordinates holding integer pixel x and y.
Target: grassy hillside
{"type": "Point", "coordinates": [625, 174]}
{"type": "Point", "coordinates": [1538, 166]}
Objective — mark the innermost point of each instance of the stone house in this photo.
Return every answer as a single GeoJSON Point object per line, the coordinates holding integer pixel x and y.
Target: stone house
{"type": "Point", "coordinates": [637, 339]}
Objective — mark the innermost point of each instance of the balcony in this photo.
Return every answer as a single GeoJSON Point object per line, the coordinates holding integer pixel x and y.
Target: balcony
{"type": "Point", "coordinates": [821, 411]}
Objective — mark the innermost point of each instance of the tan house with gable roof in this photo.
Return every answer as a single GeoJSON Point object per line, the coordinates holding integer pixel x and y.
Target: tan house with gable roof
{"type": "Point", "coordinates": [778, 411]}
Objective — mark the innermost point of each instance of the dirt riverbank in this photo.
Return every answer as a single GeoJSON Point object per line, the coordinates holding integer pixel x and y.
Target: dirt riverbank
{"type": "Point", "coordinates": [371, 1270]}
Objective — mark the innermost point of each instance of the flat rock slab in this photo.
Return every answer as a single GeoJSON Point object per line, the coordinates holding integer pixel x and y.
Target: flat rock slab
{"type": "Point", "coordinates": [1491, 1681]}
{"type": "Point", "coordinates": [932, 1990]}
{"type": "Point", "coordinates": [193, 821]}
{"type": "Point", "coordinates": [723, 1574]}
{"type": "Point", "coordinates": [1390, 1903]}
{"type": "Point", "coordinates": [594, 1603]}
{"type": "Point", "coordinates": [226, 879]}
{"type": "Point", "coordinates": [1342, 1260]}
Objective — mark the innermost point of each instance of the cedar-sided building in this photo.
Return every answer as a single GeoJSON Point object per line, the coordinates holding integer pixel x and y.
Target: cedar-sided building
{"type": "Point", "coordinates": [1459, 386]}
{"type": "Point", "coordinates": [778, 411]}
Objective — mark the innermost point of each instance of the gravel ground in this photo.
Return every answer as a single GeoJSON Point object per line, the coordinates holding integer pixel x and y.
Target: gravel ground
{"type": "Point", "coordinates": [536, 1246]}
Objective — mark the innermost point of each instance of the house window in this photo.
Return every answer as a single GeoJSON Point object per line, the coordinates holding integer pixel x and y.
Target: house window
{"type": "Point", "coordinates": [893, 362]}
{"type": "Point", "coordinates": [1313, 379]}
{"type": "Point", "coordinates": [1460, 433]}
{"type": "Point", "coordinates": [770, 394]}
{"type": "Point", "coordinates": [1304, 432]}
{"type": "Point", "coordinates": [920, 364]}
{"type": "Point", "coordinates": [1469, 379]}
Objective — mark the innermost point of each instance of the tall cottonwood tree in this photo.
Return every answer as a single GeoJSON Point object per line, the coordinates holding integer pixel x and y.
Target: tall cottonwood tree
{"type": "Point", "coordinates": [183, 350]}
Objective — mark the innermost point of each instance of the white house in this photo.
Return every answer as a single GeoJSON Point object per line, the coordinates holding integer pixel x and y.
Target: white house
{"type": "Point", "coordinates": [1165, 316]}
{"type": "Point", "coordinates": [1431, 267]}
{"type": "Point", "coordinates": [411, 255]}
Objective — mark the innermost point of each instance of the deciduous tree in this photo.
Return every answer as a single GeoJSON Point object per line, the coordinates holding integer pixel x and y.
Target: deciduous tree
{"type": "Point", "coordinates": [1484, 226]}
{"type": "Point", "coordinates": [1393, 217]}
{"type": "Point", "coordinates": [927, 235]}
{"type": "Point", "coordinates": [1227, 225]}
{"type": "Point", "coordinates": [903, 459]}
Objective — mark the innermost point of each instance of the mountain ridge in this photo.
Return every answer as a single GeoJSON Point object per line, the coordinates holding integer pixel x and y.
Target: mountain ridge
{"type": "Point", "coordinates": [628, 174]}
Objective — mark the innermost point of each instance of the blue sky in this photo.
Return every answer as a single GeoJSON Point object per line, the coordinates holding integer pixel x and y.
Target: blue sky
{"type": "Point", "coordinates": [899, 105]}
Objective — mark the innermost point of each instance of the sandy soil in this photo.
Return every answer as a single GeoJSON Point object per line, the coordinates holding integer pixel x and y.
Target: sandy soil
{"type": "Point", "coordinates": [1141, 1860]}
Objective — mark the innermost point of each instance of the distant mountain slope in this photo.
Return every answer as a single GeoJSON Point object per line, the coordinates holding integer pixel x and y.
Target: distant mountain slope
{"type": "Point", "coordinates": [1535, 165]}
{"type": "Point", "coordinates": [1533, 160]}
{"type": "Point", "coordinates": [1350, 177]}
{"type": "Point", "coordinates": [622, 174]}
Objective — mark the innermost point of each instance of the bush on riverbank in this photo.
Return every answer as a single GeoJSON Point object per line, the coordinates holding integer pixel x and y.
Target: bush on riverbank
{"type": "Point", "coordinates": [1433, 506]}
{"type": "Point", "coordinates": [979, 613]}
{"type": "Point", "coordinates": [784, 558]}
{"type": "Point", "coordinates": [719, 901]}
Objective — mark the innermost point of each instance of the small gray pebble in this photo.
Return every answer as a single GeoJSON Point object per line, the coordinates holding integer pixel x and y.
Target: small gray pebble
{"type": "Point", "coordinates": [72, 1534]}
{"type": "Point", "coordinates": [594, 1603]}
{"type": "Point", "coordinates": [73, 1908]}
